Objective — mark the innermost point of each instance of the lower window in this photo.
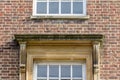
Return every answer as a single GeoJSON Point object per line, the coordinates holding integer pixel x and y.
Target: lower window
{"type": "Point", "coordinates": [59, 71]}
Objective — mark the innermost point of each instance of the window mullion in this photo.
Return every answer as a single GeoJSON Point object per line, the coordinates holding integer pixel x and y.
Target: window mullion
{"type": "Point", "coordinates": [71, 6]}
{"type": "Point", "coordinates": [59, 72]}
{"type": "Point", "coordinates": [47, 72]}
{"type": "Point", "coordinates": [47, 6]}
{"type": "Point", "coordinates": [71, 71]}
{"type": "Point", "coordinates": [83, 72]}
{"type": "Point", "coordinates": [59, 6]}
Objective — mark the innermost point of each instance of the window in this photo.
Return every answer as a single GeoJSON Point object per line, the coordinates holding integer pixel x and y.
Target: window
{"type": "Point", "coordinates": [59, 57]}
{"type": "Point", "coordinates": [59, 71]}
{"type": "Point", "coordinates": [59, 7]}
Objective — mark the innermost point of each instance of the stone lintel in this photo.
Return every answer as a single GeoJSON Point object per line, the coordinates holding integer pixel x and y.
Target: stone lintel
{"type": "Point", "coordinates": [40, 37]}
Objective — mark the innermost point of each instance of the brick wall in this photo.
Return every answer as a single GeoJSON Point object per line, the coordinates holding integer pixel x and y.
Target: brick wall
{"type": "Point", "coordinates": [104, 19]}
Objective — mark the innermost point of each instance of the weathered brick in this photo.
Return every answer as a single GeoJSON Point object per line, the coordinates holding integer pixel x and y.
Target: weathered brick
{"type": "Point", "coordinates": [104, 19]}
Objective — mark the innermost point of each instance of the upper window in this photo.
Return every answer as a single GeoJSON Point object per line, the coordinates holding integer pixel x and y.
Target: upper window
{"type": "Point", "coordinates": [59, 7]}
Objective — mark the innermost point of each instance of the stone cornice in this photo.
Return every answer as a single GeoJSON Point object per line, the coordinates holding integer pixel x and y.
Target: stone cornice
{"type": "Point", "coordinates": [36, 37]}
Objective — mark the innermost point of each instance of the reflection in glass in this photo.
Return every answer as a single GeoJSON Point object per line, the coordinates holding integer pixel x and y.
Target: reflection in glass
{"type": "Point", "coordinates": [41, 71]}
{"type": "Point", "coordinates": [53, 71]}
{"type": "Point", "coordinates": [65, 7]}
{"type": "Point", "coordinates": [77, 70]}
{"type": "Point", "coordinates": [54, 7]}
{"type": "Point", "coordinates": [77, 79]}
{"type": "Point", "coordinates": [53, 79]}
{"type": "Point", "coordinates": [65, 70]}
{"type": "Point", "coordinates": [77, 7]}
{"type": "Point", "coordinates": [65, 79]}
{"type": "Point", "coordinates": [41, 7]}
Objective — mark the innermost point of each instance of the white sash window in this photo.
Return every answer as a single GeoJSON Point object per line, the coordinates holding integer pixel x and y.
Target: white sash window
{"type": "Point", "coordinates": [59, 71]}
{"type": "Point", "coordinates": [59, 7]}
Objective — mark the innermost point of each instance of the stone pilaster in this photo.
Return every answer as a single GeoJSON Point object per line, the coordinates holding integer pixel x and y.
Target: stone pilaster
{"type": "Point", "coordinates": [96, 57]}
{"type": "Point", "coordinates": [22, 60]}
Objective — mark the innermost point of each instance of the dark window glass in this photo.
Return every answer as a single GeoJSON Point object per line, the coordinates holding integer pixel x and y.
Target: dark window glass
{"type": "Point", "coordinates": [53, 7]}
{"type": "Point", "coordinates": [65, 71]}
{"type": "Point", "coordinates": [77, 70]}
{"type": "Point", "coordinates": [65, 7]}
{"type": "Point", "coordinates": [77, 7]}
{"type": "Point", "coordinates": [53, 71]}
{"type": "Point", "coordinates": [41, 71]}
{"type": "Point", "coordinates": [41, 7]}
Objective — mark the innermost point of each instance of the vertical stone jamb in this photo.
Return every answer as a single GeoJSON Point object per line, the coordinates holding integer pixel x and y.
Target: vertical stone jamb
{"type": "Point", "coordinates": [22, 59]}
{"type": "Point", "coordinates": [96, 57]}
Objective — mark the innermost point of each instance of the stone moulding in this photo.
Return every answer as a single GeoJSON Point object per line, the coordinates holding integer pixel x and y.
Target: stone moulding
{"type": "Point", "coordinates": [26, 39]}
{"type": "Point", "coordinates": [30, 37]}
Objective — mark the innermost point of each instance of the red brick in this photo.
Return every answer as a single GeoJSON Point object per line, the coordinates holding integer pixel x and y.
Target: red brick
{"type": "Point", "coordinates": [104, 19]}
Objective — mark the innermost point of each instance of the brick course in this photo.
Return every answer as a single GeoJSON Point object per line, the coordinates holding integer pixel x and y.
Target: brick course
{"type": "Point", "coordinates": [104, 19]}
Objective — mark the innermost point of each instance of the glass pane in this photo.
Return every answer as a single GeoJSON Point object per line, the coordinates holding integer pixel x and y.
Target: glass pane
{"type": "Point", "coordinates": [41, 7]}
{"type": "Point", "coordinates": [54, 0]}
{"type": "Point", "coordinates": [53, 71]}
{"type": "Point", "coordinates": [65, 79]}
{"type": "Point", "coordinates": [41, 71]}
{"type": "Point", "coordinates": [77, 70]}
{"type": "Point", "coordinates": [41, 79]}
{"type": "Point", "coordinates": [77, 7]}
{"type": "Point", "coordinates": [65, 7]}
{"type": "Point", "coordinates": [54, 7]}
{"type": "Point", "coordinates": [41, 0]}
{"type": "Point", "coordinates": [77, 79]}
{"type": "Point", "coordinates": [78, 0]}
{"type": "Point", "coordinates": [65, 0]}
{"type": "Point", "coordinates": [65, 70]}
{"type": "Point", "coordinates": [53, 79]}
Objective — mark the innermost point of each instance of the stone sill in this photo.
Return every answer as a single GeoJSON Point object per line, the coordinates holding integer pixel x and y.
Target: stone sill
{"type": "Point", "coordinates": [61, 17]}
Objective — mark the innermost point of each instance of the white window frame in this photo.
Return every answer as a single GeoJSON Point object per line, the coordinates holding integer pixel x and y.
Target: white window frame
{"type": "Point", "coordinates": [59, 64]}
{"type": "Point", "coordinates": [59, 14]}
